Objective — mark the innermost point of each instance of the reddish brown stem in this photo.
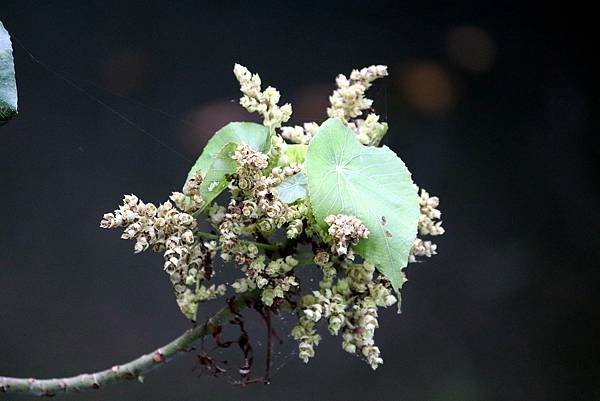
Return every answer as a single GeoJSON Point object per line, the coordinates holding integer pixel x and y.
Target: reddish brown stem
{"type": "Point", "coordinates": [269, 346]}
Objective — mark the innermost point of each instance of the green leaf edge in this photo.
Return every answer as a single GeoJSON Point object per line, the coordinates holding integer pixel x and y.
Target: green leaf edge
{"type": "Point", "coordinates": [215, 180]}
{"type": "Point", "coordinates": [397, 278]}
{"type": "Point", "coordinates": [253, 134]}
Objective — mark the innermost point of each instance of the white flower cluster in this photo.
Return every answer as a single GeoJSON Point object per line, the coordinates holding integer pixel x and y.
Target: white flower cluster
{"type": "Point", "coordinates": [190, 200]}
{"type": "Point", "coordinates": [256, 210]}
{"type": "Point", "coordinates": [260, 211]}
{"type": "Point", "coordinates": [369, 131]}
{"type": "Point", "coordinates": [168, 230]}
{"type": "Point", "coordinates": [429, 214]}
{"type": "Point", "coordinates": [429, 224]}
{"type": "Point", "coordinates": [348, 102]}
{"type": "Point", "coordinates": [346, 231]}
{"type": "Point", "coordinates": [308, 338]}
{"type": "Point", "coordinates": [274, 279]}
{"type": "Point", "coordinates": [300, 134]}
{"type": "Point", "coordinates": [361, 320]}
{"type": "Point", "coordinates": [230, 228]}
{"type": "Point", "coordinates": [422, 248]}
{"type": "Point", "coordinates": [248, 157]}
{"type": "Point", "coordinates": [349, 303]}
{"type": "Point", "coordinates": [264, 103]}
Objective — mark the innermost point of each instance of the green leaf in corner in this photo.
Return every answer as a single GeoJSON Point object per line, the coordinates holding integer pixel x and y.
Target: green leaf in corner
{"type": "Point", "coordinates": [292, 188]}
{"type": "Point", "coordinates": [370, 183]}
{"type": "Point", "coordinates": [8, 84]}
{"type": "Point", "coordinates": [255, 135]}
{"type": "Point", "coordinates": [215, 180]}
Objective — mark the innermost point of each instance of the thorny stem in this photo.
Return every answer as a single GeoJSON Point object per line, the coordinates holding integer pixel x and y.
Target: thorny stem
{"type": "Point", "coordinates": [134, 369]}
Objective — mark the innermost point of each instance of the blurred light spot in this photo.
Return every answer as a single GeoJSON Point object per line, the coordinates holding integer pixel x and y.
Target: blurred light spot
{"type": "Point", "coordinates": [202, 122]}
{"type": "Point", "coordinates": [471, 48]}
{"type": "Point", "coordinates": [428, 87]}
{"type": "Point", "coordinates": [126, 71]}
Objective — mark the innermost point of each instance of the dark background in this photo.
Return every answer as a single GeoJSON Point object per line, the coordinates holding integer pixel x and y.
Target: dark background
{"type": "Point", "coordinates": [490, 107]}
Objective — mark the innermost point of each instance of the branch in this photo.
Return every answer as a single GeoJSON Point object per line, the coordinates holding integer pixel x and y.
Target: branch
{"type": "Point", "coordinates": [130, 370]}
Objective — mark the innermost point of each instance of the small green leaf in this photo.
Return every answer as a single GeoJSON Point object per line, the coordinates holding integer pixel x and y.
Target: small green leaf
{"type": "Point", "coordinates": [8, 84]}
{"type": "Point", "coordinates": [370, 183]}
{"type": "Point", "coordinates": [292, 188]}
{"type": "Point", "coordinates": [296, 153]}
{"type": "Point", "coordinates": [215, 180]}
{"type": "Point", "coordinates": [255, 135]}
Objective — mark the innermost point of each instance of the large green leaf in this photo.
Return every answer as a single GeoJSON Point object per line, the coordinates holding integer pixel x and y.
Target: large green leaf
{"type": "Point", "coordinates": [215, 180]}
{"type": "Point", "coordinates": [8, 84]}
{"type": "Point", "coordinates": [370, 183]}
{"type": "Point", "coordinates": [292, 188]}
{"type": "Point", "coordinates": [255, 135]}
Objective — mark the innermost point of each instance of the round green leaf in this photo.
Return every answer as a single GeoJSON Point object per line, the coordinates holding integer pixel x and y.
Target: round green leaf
{"type": "Point", "coordinates": [8, 84]}
{"type": "Point", "coordinates": [255, 135]}
{"type": "Point", "coordinates": [370, 183]}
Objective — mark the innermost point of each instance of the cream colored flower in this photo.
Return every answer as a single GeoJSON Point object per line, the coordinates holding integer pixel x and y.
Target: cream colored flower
{"type": "Point", "coordinates": [346, 231]}
{"type": "Point", "coordinates": [264, 103]}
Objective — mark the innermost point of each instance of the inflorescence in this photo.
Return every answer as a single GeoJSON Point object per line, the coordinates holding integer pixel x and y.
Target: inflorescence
{"type": "Point", "coordinates": [248, 230]}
